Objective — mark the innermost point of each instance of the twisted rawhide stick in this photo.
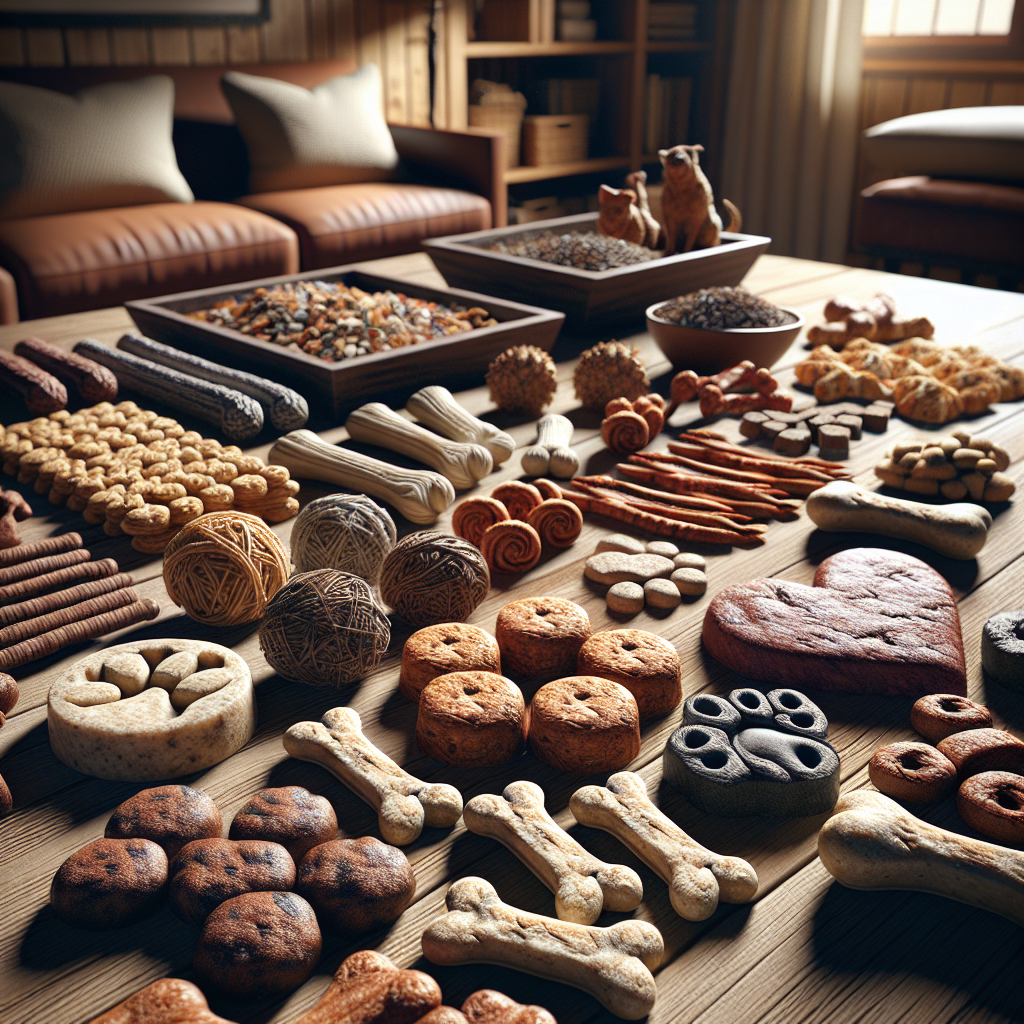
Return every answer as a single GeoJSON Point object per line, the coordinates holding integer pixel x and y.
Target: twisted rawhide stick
{"type": "Point", "coordinates": [37, 606]}
{"type": "Point", "coordinates": [871, 842]}
{"type": "Point", "coordinates": [59, 578]}
{"type": "Point", "coordinates": [437, 407]}
{"type": "Point", "coordinates": [40, 548]}
{"type": "Point", "coordinates": [29, 628]}
{"type": "Point", "coordinates": [41, 566]}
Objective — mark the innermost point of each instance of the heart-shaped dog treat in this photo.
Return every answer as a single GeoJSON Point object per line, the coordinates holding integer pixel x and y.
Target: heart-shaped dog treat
{"type": "Point", "coordinates": [875, 621]}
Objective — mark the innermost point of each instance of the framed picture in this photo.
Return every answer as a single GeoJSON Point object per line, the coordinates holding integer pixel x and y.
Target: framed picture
{"type": "Point", "coordinates": [73, 13]}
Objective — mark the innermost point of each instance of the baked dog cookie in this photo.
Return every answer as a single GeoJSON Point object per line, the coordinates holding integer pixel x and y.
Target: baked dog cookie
{"type": "Point", "coordinates": [447, 647]}
{"type": "Point", "coordinates": [289, 815]}
{"type": "Point", "coordinates": [170, 816]}
{"type": "Point", "coordinates": [584, 724]}
{"type": "Point", "coordinates": [938, 715]}
{"type": "Point", "coordinates": [109, 883]}
{"type": "Point", "coordinates": [471, 719]}
{"type": "Point", "coordinates": [540, 637]}
{"type": "Point", "coordinates": [356, 884]}
{"type": "Point", "coordinates": [993, 803]}
{"type": "Point", "coordinates": [489, 1007]}
{"type": "Point", "coordinates": [167, 1001]}
{"type": "Point", "coordinates": [913, 772]}
{"type": "Point", "coordinates": [642, 662]}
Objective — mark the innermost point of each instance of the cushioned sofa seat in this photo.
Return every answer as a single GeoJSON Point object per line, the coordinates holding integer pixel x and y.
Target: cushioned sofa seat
{"type": "Point", "coordinates": [343, 223]}
{"type": "Point", "coordinates": [94, 258]}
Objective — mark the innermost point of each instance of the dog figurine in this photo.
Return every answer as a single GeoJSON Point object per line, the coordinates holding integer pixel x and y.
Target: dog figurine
{"type": "Point", "coordinates": [688, 204]}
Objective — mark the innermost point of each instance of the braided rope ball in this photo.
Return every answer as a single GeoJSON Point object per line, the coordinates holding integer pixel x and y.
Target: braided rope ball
{"type": "Point", "coordinates": [224, 567]}
{"type": "Point", "coordinates": [324, 628]}
{"type": "Point", "coordinates": [348, 532]}
{"type": "Point", "coordinates": [432, 577]}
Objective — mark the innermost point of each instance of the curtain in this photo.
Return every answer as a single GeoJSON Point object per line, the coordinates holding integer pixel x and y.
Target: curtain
{"type": "Point", "coordinates": [791, 126]}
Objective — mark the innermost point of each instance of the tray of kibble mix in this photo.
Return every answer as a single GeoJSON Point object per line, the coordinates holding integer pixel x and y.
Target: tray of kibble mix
{"type": "Point", "coordinates": [343, 336]}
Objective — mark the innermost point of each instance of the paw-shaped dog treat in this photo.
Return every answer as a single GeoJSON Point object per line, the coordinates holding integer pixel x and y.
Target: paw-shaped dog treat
{"type": "Point", "coordinates": [752, 754]}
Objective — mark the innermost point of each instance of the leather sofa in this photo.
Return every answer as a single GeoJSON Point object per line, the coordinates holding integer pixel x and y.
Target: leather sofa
{"type": "Point", "coordinates": [450, 182]}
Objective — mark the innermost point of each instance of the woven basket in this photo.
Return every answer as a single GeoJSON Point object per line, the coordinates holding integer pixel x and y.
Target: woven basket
{"type": "Point", "coordinates": [555, 139]}
{"type": "Point", "coordinates": [504, 117]}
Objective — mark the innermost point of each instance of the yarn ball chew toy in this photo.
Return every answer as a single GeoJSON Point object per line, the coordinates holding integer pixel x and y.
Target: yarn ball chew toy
{"type": "Point", "coordinates": [224, 567]}
{"type": "Point", "coordinates": [348, 532]}
{"type": "Point", "coordinates": [432, 577]}
{"type": "Point", "coordinates": [324, 628]}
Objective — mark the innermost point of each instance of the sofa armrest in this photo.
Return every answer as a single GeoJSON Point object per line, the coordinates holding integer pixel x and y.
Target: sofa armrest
{"type": "Point", "coordinates": [473, 159]}
{"type": "Point", "coordinates": [8, 298]}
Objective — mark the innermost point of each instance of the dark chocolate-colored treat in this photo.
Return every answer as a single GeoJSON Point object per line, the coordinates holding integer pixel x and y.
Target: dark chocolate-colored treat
{"type": "Point", "coordinates": [258, 944]}
{"type": "Point", "coordinates": [993, 803]}
{"type": "Point", "coordinates": [817, 422]}
{"type": "Point", "coordinates": [1002, 649]}
{"type": "Point", "coordinates": [834, 441]}
{"type": "Point", "coordinates": [914, 772]}
{"type": "Point", "coordinates": [209, 871]}
{"type": "Point", "coordinates": [109, 883]}
{"type": "Point", "coordinates": [794, 441]}
{"type": "Point", "coordinates": [875, 419]}
{"type": "Point", "coordinates": [753, 706]}
{"type": "Point", "coordinates": [750, 425]}
{"type": "Point", "coordinates": [489, 1007]}
{"type": "Point", "coordinates": [984, 750]}
{"type": "Point", "coordinates": [938, 715]}
{"type": "Point", "coordinates": [8, 694]}
{"type": "Point", "coordinates": [773, 428]}
{"type": "Point", "coordinates": [356, 884]}
{"type": "Point", "coordinates": [853, 423]}
{"type": "Point", "coordinates": [289, 815]}
{"type": "Point", "coordinates": [170, 816]}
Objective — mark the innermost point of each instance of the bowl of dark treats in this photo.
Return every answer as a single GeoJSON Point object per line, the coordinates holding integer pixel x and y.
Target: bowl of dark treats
{"type": "Point", "coordinates": [714, 328]}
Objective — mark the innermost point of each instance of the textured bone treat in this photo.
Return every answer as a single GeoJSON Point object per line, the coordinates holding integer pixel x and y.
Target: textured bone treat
{"type": "Point", "coordinates": [913, 772]}
{"type": "Point", "coordinates": [984, 750]}
{"type": "Point", "coordinates": [170, 816]}
{"type": "Point", "coordinates": [437, 408]}
{"type": "Point", "coordinates": [875, 621]}
{"type": "Point", "coordinates": [108, 716]}
{"type": "Point", "coordinates": [938, 715]}
{"type": "Point", "coordinates": [540, 637]}
{"type": "Point", "coordinates": [993, 803]}
{"type": "Point", "coordinates": [614, 567]}
{"type": "Point", "coordinates": [94, 383]}
{"type": "Point", "coordinates": [490, 1007]}
{"type": "Point", "coordinates": [582, 884]}
{"type": "Point", "coordinates": [870, 842]}
{"type": "Point", "coordinates": [642, 662]}
{"type": "Point", "coordinates": [289, 815]}
{"type": "Point", "coordinates": [447, 647]}
{"type": "Point", "coordinates": [697, 878]}
{"type": "Point", "coordinates": [167, 1001]}
{"type": "Point", "coordinates": [1002, 648]}
{"type": "Point", "coordinates": [404, 804]}
{"type": "Point", "coordinates": [612, 964]}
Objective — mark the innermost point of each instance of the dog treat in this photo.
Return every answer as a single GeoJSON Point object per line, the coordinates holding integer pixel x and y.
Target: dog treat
{"type": "Point", "coordinates": [870, 842]}
{"type": "Point", "coordinates": [95, 383]}
{"type": "Point", "coordinates": [41, 566]}
{"type": "Point", "coordinates": [518, 498]}
{"type": "Point", "coordinates": [290, 816]}
{"type": "Point", "coordinates": [1002, 648]}
{"type": "Point", "coordinates": [584, 724]}
{"type": "Point", "coordinates": [688, 560]}
{"type": "Point", "coordinates": [41, 392]}
{"type": "Point", "coordinates": [39, 549]}
{"type": "Point", "coordinates": [551, 452]}
{"type": "Point", "coordinates": [99, 605]}
{"type": "Point", "coordinates": [540, 637]}
{"type": "Point", "coordinates": [834, 441]}
{"type": "Point", "coordinates": [8, 698]}
{"type": "Point", "coordinates": [697, 878]}
{"type": "Point", "coordinates": [609, 370]}
{"type": "Point", "coordinates": [490, 1007]}
{"type": "Point", "coordinates": [522, 379]}
{"type": "Point", "coordinates": [511, 546]}
{"type": "Point", "coordinates": [170, 816]}
{"type": "Point", "coordinates": [625, 598]}
{"type": "Point", "coordinates": [473, 517]}
{"type": "Point", "coordinates": [661, 593]}
{"type": "Point", "coordinates": [913, 772]}
{"type": "Point", "coordinates": [558, 522]}
{"type": "Point", "coordinates": [13, 510]}
{"type": "Point", "coordinates": [751, 754]}
{"type": "Point", "coordinates": [938, 715]}
{"type": "Point", "coordinates": [449, 647]}
{"type": "Point", "coordinates": [109, 883]}
{"type": "Point", "coordinates": [431, 577]}
{"type": "Point", "coordinates": [155, 709]}
{"type": "Point", "coordinates": [625, 431]}
{"type": "Point", "coordinates": [993, 803]}
{"type": "Point", "coordinates": [347, 532]}
{"type": "Point", "coordinates": [206, 872]}
{"type": "Point", "coordinates": [438, 409]}
{"type": "Point", "coordinates": [687, 385]}
{"type": "Point", "coordinates": [612, 964]}
{"type": "Point", "coordinates": [404, 804]}
{"type": "Point", "coordinates": [547, 488]}
{"type": "Point", "coordinates": [258, 944]}
{"type": "Point", "coordinates": [167, 1001]}
{"type": "Point", "coordinates": [983, 750]}
{"type": "Point", "coordinates": [471, 719]}
{"type": "Point", "coordinates": [642, 662]}
{"type": "Point", "coordinates": [829, 636]}
{"type": "Point", "coordinates": [48, 604]}
{"type": "Point", "coordinates": [622, 543]}
{"type": "Point", "coordinates": [73, 573]}
{"type": "Point", "coordinates": [610, 567]}
{"type": "Point", "coordinates": [689, 582]}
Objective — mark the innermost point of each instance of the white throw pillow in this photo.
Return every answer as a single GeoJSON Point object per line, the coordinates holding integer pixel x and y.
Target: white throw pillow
{"type": "Point", "coordinates": [333, 134]}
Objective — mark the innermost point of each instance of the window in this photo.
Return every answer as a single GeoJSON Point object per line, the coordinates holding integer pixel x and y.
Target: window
{"type": "Point", "coordinates": [923, 18]}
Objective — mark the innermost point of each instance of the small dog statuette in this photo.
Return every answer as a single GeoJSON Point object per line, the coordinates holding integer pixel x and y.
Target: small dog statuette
{"type": "Point", "coordinates": [620, 216]}
{"type": "Point", "coordinates": [688, 204]}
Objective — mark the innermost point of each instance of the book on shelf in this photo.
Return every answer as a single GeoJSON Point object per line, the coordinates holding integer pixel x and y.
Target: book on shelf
{"type": "Point", "coordinates": [668, 112]}
{"type": "Point", "coordinates": [671, 21]}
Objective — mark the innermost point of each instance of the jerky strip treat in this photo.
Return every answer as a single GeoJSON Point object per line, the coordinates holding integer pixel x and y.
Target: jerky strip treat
{"type": "Point", "coordinates": [39, 390]}
{"type": "Point", "coordinates": [93, 382]}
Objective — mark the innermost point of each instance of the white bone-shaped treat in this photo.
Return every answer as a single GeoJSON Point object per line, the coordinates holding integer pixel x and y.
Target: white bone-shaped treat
{"type": "Point", "coordinates": [551, 454]}
{"type": "Point", "coordinates": [464, 464]}
{"type": "Point", "coordinates": [436, 406]}
{"type": "Point", "coordinates": [697, 878]}
{"type": "Point", "coordinates": [419, 494]}
{"type": "Point", "coordinates": [582, 884]}
{"type": "Point", "coordinates": [871, 842]}
{"type": "Point", "coordinates": [404, 804]}
{"type": "Point", "coordinates": [612, 964]}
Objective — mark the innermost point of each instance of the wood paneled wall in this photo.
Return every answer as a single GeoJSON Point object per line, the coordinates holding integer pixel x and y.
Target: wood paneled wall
{"type": "Point", "coordinates": [395, 36]}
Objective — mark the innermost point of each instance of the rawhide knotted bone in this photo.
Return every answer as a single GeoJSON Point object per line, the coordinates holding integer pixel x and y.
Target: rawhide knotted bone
{"type": "Point", "coordinates": [612, 964]}
{"type": "Point", "coordinates": [714, 402]}
{"type": "Point", "coordinates": [95, 383]}
{"type": "Point", "coordinates": [404, 804]}
{"type": "Point", "coordinates": [418, 494]}
{"type": "Point", "coordinates": [464, 464]}
{"type": "Point", "coordinates": [437, 408]}
{"type": "Point", "coordinates": [871, 842]}
{"type": "Point", "coordinates": [582, 884]}
{"type": "Point", "coordinates": [167, 1001]}
{"type": "Point", "coordinates": [287, 409]}
{"type": "Point", "coordinates": [697, 877]}
{"type": "Point", "coordinates": [41, 392]}
{"type": "Point", "coordinates": [239, 416]}
{"type": "Point", "coordinates": [551, 453]}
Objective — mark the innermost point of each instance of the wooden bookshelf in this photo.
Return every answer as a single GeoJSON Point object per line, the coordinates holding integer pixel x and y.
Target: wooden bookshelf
{"type": "Point", "coordinates": [517, 175]}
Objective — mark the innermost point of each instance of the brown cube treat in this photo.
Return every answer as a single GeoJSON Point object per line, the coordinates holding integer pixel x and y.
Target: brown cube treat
{"type": "Point", "coordinates": [885, 404]}
{"type": "Point", "coordinates": [772, 429]}
{"type": "Point", "coordinates": [789, 418]}
{"type": "Point", "coordinates": [750, 425]}
{"type": "Point", "coordinates": [852, 423]}
{"type": "Point", "coordinates": [819, 421]}
{"type": "Point", "coordinates": [793, 441]}
{"type": "Point", "coordinates": [834, 441]}
{"type": "Point", "coordinates": [875, 418]}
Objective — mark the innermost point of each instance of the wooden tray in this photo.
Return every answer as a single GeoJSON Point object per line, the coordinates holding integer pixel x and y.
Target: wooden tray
{"type": "Point", "coordinates": [590, 298]}
{"type": "Point", "coordinates": [344, 385]}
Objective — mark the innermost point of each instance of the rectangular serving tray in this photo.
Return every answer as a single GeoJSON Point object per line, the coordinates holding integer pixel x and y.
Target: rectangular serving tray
{"type": "Point", "coordinates": [589, 298]}
{"type": "Point", "coordinates": [346, 384]}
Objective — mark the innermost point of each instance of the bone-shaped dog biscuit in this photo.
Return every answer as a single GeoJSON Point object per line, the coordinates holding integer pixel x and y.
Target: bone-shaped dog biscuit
{"type": "Point", "coordinates": [167, 1001]}
{"type": "Point", "coordinates": [871, 842]}
{"type": "Point", "coordinates": [612, 964]}
{"type": "Point", "coordinates": [404, 804]}
{"type": "Point", "coordinates": [582, 884]}
{"type": "Point", "coordinates": [697, 878]}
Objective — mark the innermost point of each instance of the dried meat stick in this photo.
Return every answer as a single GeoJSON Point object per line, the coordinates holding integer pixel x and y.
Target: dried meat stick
{"type": "Point", "coordinates": [41, 566]}
{"type": "Point", "coordinates": [690, 483]}
{"type": "Point", "coordinates": [40, 548]}
{"type": "Point", "coordinates": [701, 471]}
{"type": "Point", "coordinates": [715, 457]}
{"type": "Point", "coordinates": [801, 486]}
{"type": "Point", "coordinates": [62, 598]}
{"type": "Point", "coordinates": [698, 504]}
{"type": "Point", "coordinates": [60, 578]}
{"type": "Point", "coordinates": [29, 628]}
{"type": "Point", "coordinates": [709, 439]}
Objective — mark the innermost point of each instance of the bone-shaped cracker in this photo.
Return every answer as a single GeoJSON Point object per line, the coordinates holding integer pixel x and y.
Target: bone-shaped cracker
{"type": "Point", "coordinates": [697, 878]}
{"type": "Point", "coordinates": [489, 1007]}
{"type": "Point", "coordinates": [612, 964]}
{"type": "Point", "coordinates": [404, 804]}
{"type": "Point", "coordinates": [582, 884]}
{"type": "Point", "coordinates": [167, 1001]}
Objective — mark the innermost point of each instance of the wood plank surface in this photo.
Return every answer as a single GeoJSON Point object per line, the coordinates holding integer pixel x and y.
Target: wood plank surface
{"type": "Point", "coordinates": [805, 950]}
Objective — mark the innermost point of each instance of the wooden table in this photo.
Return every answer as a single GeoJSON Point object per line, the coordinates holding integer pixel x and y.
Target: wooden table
{"type": "Point", "coordinates": [806, 950]}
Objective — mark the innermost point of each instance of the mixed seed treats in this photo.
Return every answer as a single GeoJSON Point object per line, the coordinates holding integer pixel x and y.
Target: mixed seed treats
{"type": "Point", "coordinates": [584, 250]}
{"type": "Point", "coordinates": [722, 309]}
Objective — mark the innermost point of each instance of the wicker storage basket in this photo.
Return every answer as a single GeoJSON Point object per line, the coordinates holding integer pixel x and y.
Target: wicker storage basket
{"type": "Point", "coordinates": [504, 117]}
{"type": "Point", "coordinates": [555, 138]}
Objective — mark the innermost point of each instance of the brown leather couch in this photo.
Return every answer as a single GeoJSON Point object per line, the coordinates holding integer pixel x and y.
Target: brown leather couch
{"type": "Point", "coordinates": [450, 182]}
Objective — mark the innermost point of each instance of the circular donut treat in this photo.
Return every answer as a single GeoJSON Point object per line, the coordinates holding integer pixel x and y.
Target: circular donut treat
{"type": "Point", "coordinates": [473, 517]}
{"type": "Point", "coordinates": [540, 637]}
{"type": "Point", "coordinates": [471, 719]}
{"type": "Point", "coordinates": [993, 803]}
{"type": "Point", "coordinates": [170, 816]}
{"type": "Point", "coordinates": [1002, 649]}
{"type": "Point", "coordinates": [511, 546]}
{"type": "Point", "coordinates": [914, 772]}
{"type": "Point", "coordinates": [642, 662]}
{"type": "Point", "coordinates": [289, 815]}
{"type": "Point", "coordinates": [938, 715]}
{"type": "Point", "coordinates": [447, 647]}
{"type": "Point", "coordinates": [584, 724]}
